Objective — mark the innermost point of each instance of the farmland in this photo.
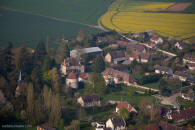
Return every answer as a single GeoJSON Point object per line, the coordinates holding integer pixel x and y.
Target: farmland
{"type": "Point", "coordinates": [130, 16]}
{"type": "Point", "coordinates": [28, 21]}
{"type": "Point", "coordinates": [27, 29]}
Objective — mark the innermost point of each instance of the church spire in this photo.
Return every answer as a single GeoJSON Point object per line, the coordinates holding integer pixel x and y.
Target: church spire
{"type": "Point", "coordinates": [20, 78]}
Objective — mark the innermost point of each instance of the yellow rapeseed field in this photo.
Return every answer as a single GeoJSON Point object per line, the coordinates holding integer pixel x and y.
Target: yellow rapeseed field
{"type": "Point", "coordinates": [154, 6]}
{"type": "Point", "coordinates": [178, 25]}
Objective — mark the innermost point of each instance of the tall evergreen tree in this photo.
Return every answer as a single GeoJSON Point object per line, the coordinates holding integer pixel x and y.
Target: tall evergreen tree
{"type": "Point", "coordinates": [62, 53]}
{"type": "Point", "coordinates": [99, 64]}
{"type": "Point", "coordinates": [47, 46]}
{"type": "Point", "coordinates": [6, 60]}
{"type": "Point", "coordinates": [40, 53]}
{"type": "Point", "coordinates": [55, 114]}
{"type": "Point", "coordinates": [24, 61]}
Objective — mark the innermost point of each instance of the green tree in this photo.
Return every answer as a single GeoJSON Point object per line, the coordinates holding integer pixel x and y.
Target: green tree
{"type": "Point", "coordinates": [55, 114]}
{"type": "Point", "coordinates": [30, 103]}
{"type": "Point", "coordinates": [163, 88]}
{"type": "Point", "coordinates": [54, 78]}
{"type": "Point", "coordinates": [124, 113]}
{"type": "Point", "coordinates": [62, 124]}
{"type": "Point", "coordinates": [99, 64]}
{"type": "Point", "coordinates": [47, 63]}
{"type": "Point", "coordinates": [40, 53]}
{"type": "Point", "coordinates": [100, 86]}
{"type": "Point", "coordinates": [24, 61]}
{"type": "Point", "coordinates": [48, 46]}
{"type": "Point", "coordinates": [6, 60]}
{"type": "Point", "coordinates": [62, 53]}
{"type": "Point", "coordinates": [81, 35]}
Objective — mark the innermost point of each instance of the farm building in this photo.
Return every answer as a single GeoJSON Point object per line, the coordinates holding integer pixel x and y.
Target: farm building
{"type": "Point", "coordinates": [91, 50]}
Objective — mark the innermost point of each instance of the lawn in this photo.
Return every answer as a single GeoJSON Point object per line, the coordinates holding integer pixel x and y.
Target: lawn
{"type": "Point", "coordinates": [155, 85]}
{"type": "Point", "coordinates": [129, 16]}
{"type": "Point", "coordinates": [185, 103]}
{"type": "Point", "coordinates": [127, 94]}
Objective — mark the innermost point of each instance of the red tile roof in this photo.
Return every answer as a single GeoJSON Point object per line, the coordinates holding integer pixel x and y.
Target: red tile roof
{"type": "Point", "coordinates": [83, 75]}
{"type": "Point", "coordinates": [126, 105]}
{"type": "Point", "coordinates": [72, 75]}
{"type": "Point", "coordinates": [155, 37]}
{"type": "Point", "coordinates": [183, 114]}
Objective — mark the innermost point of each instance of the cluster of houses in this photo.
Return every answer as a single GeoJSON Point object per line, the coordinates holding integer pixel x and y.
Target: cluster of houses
{"type": "Point", "coordinates": [112, 123]}
{"type": "Point", "coordinates": [74, 70]}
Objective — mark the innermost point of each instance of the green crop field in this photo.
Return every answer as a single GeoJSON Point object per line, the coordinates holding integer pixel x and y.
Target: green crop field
{"type": "Point", "coordinates": [126, 16]}
{"type": "Point", "coordinates": [28, 21]}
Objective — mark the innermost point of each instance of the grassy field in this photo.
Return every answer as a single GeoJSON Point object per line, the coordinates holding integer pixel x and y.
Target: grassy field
{"type": "Point", "coordinates": [84, 11]}
{"type": "Point", "coordinates": [127, 94]}
{"type": "Point", "coordinates": [27, 29]}
{"type": "Point", "coordinates": [131, 16]}
{"type": "Point", "coordinates": [28, 21]}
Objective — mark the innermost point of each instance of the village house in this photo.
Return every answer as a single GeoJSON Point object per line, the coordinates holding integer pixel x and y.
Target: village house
{"type": "Point", "coordinates": [180, 45]}
{"type": "Point", "coordinates": [183, 76]}
{"type": "Point", "coordinates": [90, 50]}
{"type": "Point", "coordinates": [191, 66]}
{"type": "Point", "coordinates": [116, 123]}
{"type": "Point", "coordinates": [156, 39]}
{"type": "Point", "coordinates": [136, 48]}
{"type": "Point", "coordinates": [114, 76]}
{"type": "Point", "coordinates": [186, 97]}
{"type": "Point", "coordinates": [101, 39]}
{"type": "Point", "coordinates": [73, 79]}
{"type": "Point", "coordinates": [83, 77]}
{"type": "Point", "coordinates": [140, 57]}
{"type": "Point", "coordinates": [72, 65]}
{"type": "Point", "coordinates": [126, 105]}
{"type": "Point", "coordinates": [189, 59]}
{"type": "Point", "coordinates": [182, 115]}
{"type": "Point", "coordinates": [163, 70]}
{"type": "Point", "coordinates": [120, 67]}
{"type": "Point", "coordinates": [115, 56]}
{"type": "Point", "coordinates": [89, 101]}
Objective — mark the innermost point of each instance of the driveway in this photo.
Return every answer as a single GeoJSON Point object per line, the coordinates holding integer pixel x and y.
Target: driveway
{"type": "Point", "coordinates": [170, 100]}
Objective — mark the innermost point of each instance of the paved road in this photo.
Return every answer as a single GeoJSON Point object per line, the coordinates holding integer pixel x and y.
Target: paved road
{"type": "Point", "coordinates": [170, 100]}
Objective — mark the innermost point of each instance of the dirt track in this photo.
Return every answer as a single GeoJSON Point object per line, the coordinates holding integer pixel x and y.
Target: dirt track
{"type": "Point", "coordinates": [179, 6]}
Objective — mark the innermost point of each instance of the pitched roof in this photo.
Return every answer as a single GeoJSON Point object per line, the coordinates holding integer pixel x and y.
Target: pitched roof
{"type": "Point", "coordinates": [126, 105]}
{"type": "Point", "coordinates": [162, 68]}
{"type": "Point", "coordinates": [137, 55]}
{"type": "Point", "coordinates": [154, 37]}
{"type": "Point", "coordinates": [90, 98]}
{"type": "Point", "coordinates": [118, 74]}
{"type": "Point", "coordinates": [83, 75]}
{"type": "Point", "coordinates": [90, 50]}
{"type": "Point", "coordinates": [183, 74]}
{"type": "Point", "coordinates": [183, 114]}
{"type": "Point", "coordinates": [72, 61]}
{"type": "Point", "coordinates": [120, 67]}
{"type": "Point", "coordinates": [118, 122]}
{"type": "Point", "coordinates": [117, 54]}
{"type": "Point", "coordinates": [189, 57]}
{"type": "Point", "coordinates": [72, 75]}
{"type": "Point", "coordinates": [136, 47]}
